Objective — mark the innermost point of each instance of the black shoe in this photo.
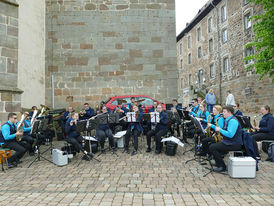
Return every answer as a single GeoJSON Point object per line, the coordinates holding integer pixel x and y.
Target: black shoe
{"type": "Point", "coordinates": [219, 169]}
{"type": "Point", "coordinates": [134, 152]}
{"type": "Point", "coordinates": [90, 154]}
{"type": "Point", "coordinates": [103, 151]}
{"type": "Point", "coordinates": [127, 151]}
{"type": "Point", "coordinates": [31, 153]}
{"type": "Point", "coordinates": [86, 157]}
{"type": "Point", "coordinates": [148, 150]}
{"type": "Point", "coordinates": [11, 165]}
{"type": "Point", "coordinates": [157, 151]}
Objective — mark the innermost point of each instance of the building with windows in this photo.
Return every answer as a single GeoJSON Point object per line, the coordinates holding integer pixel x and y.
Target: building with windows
{"type": "Point", "coordinates": [210, 53]}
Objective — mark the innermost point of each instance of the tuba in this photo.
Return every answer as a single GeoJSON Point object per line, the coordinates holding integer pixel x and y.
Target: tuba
{"type": "Point", "coordinates": [217, 136]}
{"type": "Point", "coordinates": [44, 108]}
{"type": "Point", "coordinates": [20, 126]}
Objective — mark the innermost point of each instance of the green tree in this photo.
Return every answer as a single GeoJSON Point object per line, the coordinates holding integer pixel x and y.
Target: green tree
{"type": "Point", "coordinates": [263, 59]}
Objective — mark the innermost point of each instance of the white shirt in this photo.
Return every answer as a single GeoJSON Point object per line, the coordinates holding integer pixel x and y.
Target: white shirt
{"type": "Point", "coordinates": [230, 100]}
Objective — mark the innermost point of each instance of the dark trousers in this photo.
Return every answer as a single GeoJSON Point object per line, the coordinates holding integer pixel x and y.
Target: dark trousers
{"type": "Point", "coordinates": [259, 137]}
{"type": "Point", "coordinates": [29, 140]}
{"type": "Point", "coordinates": [102, 134]}
{"type": "Point", "coordinates": [158, 136]}
{"type": "Point", "coordinates": [205, 144]}
{"type": "Point", "coordinates": [76, 142]}
{"type": "Point", "coordinates": [18, 147]}
{"type": "Point", "coordinates": [173, 128]}
{"type": "Point", "coordinates": [220, 148]}
{"type": "Point", "coordinates": [136, 134]}
{"type": "Point", "coordinates": [210, 107]}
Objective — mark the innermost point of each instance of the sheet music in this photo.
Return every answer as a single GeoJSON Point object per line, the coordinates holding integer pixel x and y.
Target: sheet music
{"type": "Point", "coordinates": [120, 134]}
{"type": "Point", "coordinates": [154, 117]}
{"type": "Point", "coordinates": [173, 139]}
{"type": "Point", "coordinates": [131, 116]}
{"type": "Point", "coordinates": [203, 130]}
{"type": "Point", "coordinates": [90, 138]}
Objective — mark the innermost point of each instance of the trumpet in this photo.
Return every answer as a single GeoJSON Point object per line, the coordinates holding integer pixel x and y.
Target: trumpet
{"type": "Point", "coordinates": [20, 126]}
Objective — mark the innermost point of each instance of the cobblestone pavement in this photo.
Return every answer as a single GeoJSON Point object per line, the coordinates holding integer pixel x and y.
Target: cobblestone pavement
{"type": "Point", "coordinates": [122, 179]}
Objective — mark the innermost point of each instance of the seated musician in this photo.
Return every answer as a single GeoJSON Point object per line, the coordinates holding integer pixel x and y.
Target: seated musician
{"type": "Point", "coordinates": [203, 115]}
{"type": "Point", "coordinates": [195, 107]}
{"type": "Point", "coordinates": [73, 137]}
{"type": "Point", "coordinates": [8, 139]}
{"type": "Point", "coordinates": [217, 109]}
{"type": "Point", "coordinates": [104, 131]}
{"type": "Point", "coordinates": [87, 113]}
{"type": "Point", "coordinates": [33, 108]}
{"type": "Point", "coordinates": [159, 131]}
{"type": "Point", "coordinates": [153, 108]}
{"type": "Point", "coordinates": [231, 138]}
{"type": "Point", "coordinates": [122, 113]}
{"type": "Point", "coordinates": [132, 99]}
{"type": "Point", "coordinates": [237, 109]}
{"type": "Point", "coordinates": [134, 128]}
{"type": "Point", "coordinates": [265, 131]}
{"type": "Point", "coordinates": [67, 114]}
{"type": "Point", "coordinates": [26, 135]}
{"type": "Point", "coordinates": [175, 104]}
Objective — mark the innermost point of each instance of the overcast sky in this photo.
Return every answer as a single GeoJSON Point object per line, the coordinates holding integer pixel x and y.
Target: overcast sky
{"type": "Point", "coordinates": [185, 12]}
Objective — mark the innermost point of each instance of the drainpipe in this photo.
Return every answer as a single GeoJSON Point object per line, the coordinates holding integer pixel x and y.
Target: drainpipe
{"type": "Point", "coordinates": [218, 52]}
{"type": "Point", "coordinates": [52, 91]}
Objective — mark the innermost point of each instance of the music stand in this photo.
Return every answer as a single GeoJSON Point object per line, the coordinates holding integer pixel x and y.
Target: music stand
{"type": "Point", "coordinates": [82, 126]}
{"type": "Point", "coordinates": [37, 127]}
{"type": "Point", "coordinates": [197, 137]}
{"type": "Point", "coordinates": [131, 117]}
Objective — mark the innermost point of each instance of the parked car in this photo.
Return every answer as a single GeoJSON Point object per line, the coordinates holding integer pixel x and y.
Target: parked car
{"type": "Point", "coordinates": [146, 104]}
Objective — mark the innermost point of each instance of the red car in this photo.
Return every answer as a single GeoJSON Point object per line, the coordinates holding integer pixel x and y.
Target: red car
{"type": "Point", "coordinates": [146, 104]}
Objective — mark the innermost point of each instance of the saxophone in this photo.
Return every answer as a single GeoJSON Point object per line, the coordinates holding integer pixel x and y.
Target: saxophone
{"type": "Point", "coordinates": [20, 126]}
{"type": "Point", "coordinates": [217, 136]}
{"type": "Point", "coordinates": [208, 129]}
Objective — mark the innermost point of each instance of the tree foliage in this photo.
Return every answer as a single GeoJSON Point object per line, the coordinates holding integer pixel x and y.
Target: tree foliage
{"type": "Point", "coordinates": [263, 43]}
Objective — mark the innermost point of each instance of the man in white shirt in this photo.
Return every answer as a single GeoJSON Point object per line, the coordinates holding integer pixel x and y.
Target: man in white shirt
{"type": "Point", "coordinates": [230, 101]}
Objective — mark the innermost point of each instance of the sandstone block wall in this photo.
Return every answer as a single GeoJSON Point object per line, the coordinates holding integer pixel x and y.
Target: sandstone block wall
{"type": "Point", "coordinates": [97, 49]}
{"type": "Point", "coordinates": [10, 95]}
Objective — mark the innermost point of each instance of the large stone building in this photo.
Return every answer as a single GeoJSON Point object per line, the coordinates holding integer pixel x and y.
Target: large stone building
{"type": "Point", "coordinates": [208, 61]}
{"type": "Point", "coordinates": [94, 49]}
{"type": "Point", "coordinates": [97, 49]}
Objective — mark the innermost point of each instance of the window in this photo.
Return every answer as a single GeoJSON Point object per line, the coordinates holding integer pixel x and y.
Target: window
{"type": "Point", "coordinates": [190, 79]}
{"type": "Point", "coordinates": [182, 83]}
{"type": "Point", "coordinates": [201, 76]}
{"type": "Point", "coordinates": [247, 21]}
{"type": "Point", "coordinates": [189, 42]}
{"type": "Point", "coordinates": [199, 34]}
{"type": "Point", "coordinates": [189, 58]}
{"type": "Point", "coordinates": [212, 71]}
{"type": "Point", "coordinates": [210, 46]}
{"type": "Point", "coordinates": [248, 52]}
{"type": "Point", "coordinates": [226, 65]}
{"type": "Point", "coordinates": [199, 52]}
{"type": "Point", "coordinates": [147, 101]}
{"type": "Point", "coordinates": [223, 13]}
{"type": "Point", "coordinates": [225, 36]}
{"type": "Point", "coordinates": [209, 25]}
{"type": "Point", "coordinates": [181, 48]}
{"type": "Point", "coordinates": [181, 63]}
